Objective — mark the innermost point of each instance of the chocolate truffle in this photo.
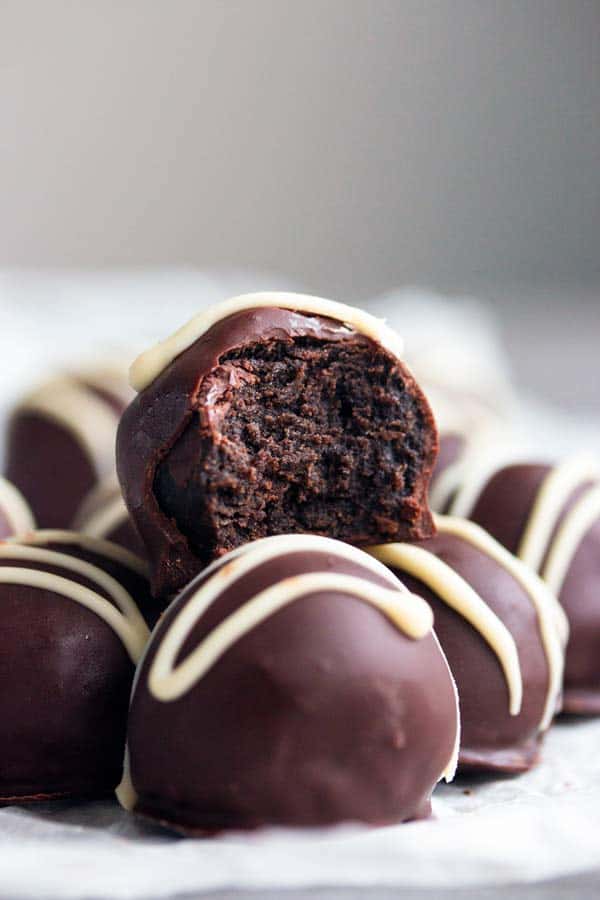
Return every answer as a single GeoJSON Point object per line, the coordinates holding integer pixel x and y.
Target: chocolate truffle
{"type": "Point", "coordinates": [129, 570]}
{"type": "Point", "coordinates": [103, 514]}
{"type": "Point", "coordinates": [501, 630]}
{"type": "Point", "coordinates": [294, 682]}
{"type": "Point", "coordinates": [550, 517]}
{"type": "Point", "coordinates": [15, 514]}
{"type": "Point", "coordinates": [72, 638]}
{"type": "Point", "coordinates": [272, 414]}
{"type": "Point", "coordinates": [61, 441]}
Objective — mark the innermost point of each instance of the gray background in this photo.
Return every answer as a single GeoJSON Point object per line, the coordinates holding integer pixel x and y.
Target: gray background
{"type": "Point", "coordinates": [354, 144]}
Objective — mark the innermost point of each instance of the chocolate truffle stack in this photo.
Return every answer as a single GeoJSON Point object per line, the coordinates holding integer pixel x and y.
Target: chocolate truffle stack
{"type": "Point", "coordinates": [293, 678]}
{"type": "Point", "coordinates": [311, 695]}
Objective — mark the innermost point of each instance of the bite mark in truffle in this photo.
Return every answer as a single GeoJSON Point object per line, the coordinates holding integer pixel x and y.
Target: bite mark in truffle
{"type": "Point", "coordinates": [274, 421]}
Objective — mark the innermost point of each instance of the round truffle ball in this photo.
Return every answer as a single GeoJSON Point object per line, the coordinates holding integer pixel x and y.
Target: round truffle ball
{"type": "Point", "coordinates": [273, 414]}
{"type": "Point", "coordinates": [549, 515]}
{"type": "Point", "coordinates": [500, 628]}
{"type": "Point", "coordinates": [294, 682]}
{"type": "Point", "coordinates": [16, 516]}
{"type": "Point", "coordinates": [72, 638]}
{"type": "Point", "coordinates": [61, 440]}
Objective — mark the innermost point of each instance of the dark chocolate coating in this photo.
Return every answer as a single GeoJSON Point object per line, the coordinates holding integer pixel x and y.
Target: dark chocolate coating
{"type": "Point", "coordinates": [65, 680]}
{"type": "Point", "coordinates": [491, 738]}
{"type": "Point", "coordinates": [503, 508]}
{"type": "Point", "coordinates": [165, 431]}
{"type": "Point", "coordinates": [324, 712]}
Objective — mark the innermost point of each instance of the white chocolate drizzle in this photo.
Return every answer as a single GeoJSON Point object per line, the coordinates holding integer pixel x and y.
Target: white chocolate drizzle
{"type": "Point", "coordinates": [152, 362]}
{"type": "Point", "coordinates": [407, 612]}
{"type": "Point", "coordinates": [584, 515]}
{"type": "Point", "coordinates": [90, 419]}
{"type": "Point", "coordinates": [15, 508]}
{"type": "Point", "coordinates": [549, 503]}
{"type": "Point", "coordinates": [169, 682]}
{"type": "Point", "coordinates": [125, 792]}
{"type": "Point", "coordinates": [113, 551]}
{"type": "Point", "coordinates": [123, 617]}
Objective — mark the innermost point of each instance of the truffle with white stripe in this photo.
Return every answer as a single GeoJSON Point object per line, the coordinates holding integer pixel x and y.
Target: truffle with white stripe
{"type": "Point", "coordinates": [72, 636]}
{"type": "Point", "coordinates": [549, 516]}
{"type": "Point", "coordinates": [503, 634]}
{"type": "Point", "coordinates": [61, 439]}
{"type": "Point", "coordinates": [271, 414]}
{"type": "Point", "coordinates": [296, 681]}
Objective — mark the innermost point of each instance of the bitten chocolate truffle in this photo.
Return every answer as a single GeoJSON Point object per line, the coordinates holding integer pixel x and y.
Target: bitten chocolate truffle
{"type": "Point", "coordinates": [72, 638]}
{"type": "Point", "coordinates": [550, 517]}
{"type": "Point", "coordinates": [15, 513]}
{"type": "Point", "coordinates": [61, 441]}
{"type": "Point", "coordinates": [294, 682]}
{"type": "Point", "coordinates": [103, 514]}
{"type": "Point", "coordinates": [502, 632]}
{"type": "Point", "coordinates": [272, 414]}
